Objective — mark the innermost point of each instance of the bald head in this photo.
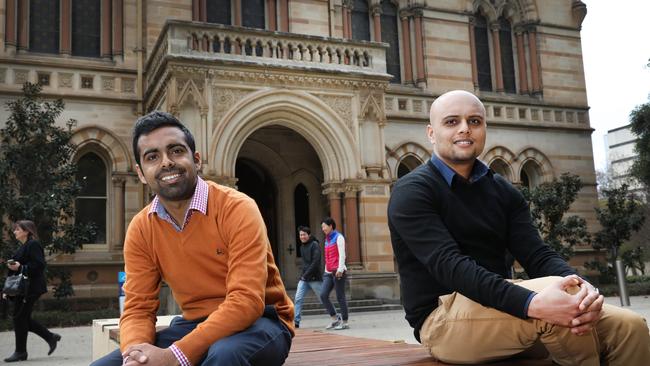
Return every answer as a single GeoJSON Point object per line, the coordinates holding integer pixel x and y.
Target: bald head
{"type": "Point", "coordinates": [457, 129]}
{"type": "Point", "coordinates": [444, 102]}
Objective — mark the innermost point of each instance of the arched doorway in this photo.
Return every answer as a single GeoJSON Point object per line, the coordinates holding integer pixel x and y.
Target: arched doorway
{"type": "Point", "coordinates": [281, 171]}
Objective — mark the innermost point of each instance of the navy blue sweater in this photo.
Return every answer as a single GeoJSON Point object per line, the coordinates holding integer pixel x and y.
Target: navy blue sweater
{"type": "Point", "coordinates": [454, 238]}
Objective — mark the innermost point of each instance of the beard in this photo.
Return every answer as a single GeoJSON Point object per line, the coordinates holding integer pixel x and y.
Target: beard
{"type": "Point", "coordinates": [179, 191]}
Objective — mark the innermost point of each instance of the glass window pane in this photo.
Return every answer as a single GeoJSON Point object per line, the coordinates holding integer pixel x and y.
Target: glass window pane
{"type": "Point", "coordinates": [86, 31]}
{"type": "Point", "coordinates": [92, 210]}
{"type": "Point", "coordinates": [44, 26]}
{"type": "Point", "coordinates": [482, 53]}
{"type": "Point", "coordinates": [91, 175]}
{"type": "Point", "coordinates": [360, 21]}
{"type": "Point", "coordinates": [507, 61]}
{"type": "Point", "coordinates": [253, 14]}
{"type": "Point", "coordinates": [219, 11]}
{"type": "Point", "coordinates": [389, 35]}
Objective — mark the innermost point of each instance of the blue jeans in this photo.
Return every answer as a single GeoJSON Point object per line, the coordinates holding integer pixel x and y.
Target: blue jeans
{"type": "Point", "coordinates": [329, 282]}
{"type": "Point", "coordinates": [266, 342]}
{"type": "Point", "coordinates": [301, 291]}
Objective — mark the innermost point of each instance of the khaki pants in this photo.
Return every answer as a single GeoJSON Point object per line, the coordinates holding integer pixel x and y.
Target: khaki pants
{"type": "Point", "coordinates": [462, 331]}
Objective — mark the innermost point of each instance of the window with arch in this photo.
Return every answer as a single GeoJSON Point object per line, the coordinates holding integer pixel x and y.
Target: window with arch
{"type": "Point", "coordinates": [389, 34]}
{"type": "Point", "coordinates": [482, 45]}
{"type": "Point", "coordinates": [86, 31]}
{"type": "Point", "coordinates": [300, 210]}
{"type": "Point", "coordinates": [44, 26]}
{"type": "Point", "coordinates": [219, 11]}
{"type": "Point", "coordinates": [90, 205]}
{"type": "Point", "coordinates": [360, 20]}
{"type": "Point", "coordinates": [253, 14]}
{"type": "Point", "coordinates": [530, 175]}
{"type": "Point", "coordinates": [407, 164]}
{"type": "Point", "coordinates": [507, 60]}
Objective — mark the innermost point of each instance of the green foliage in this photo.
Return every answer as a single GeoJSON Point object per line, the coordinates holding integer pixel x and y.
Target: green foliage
{"type": "Point", "coordinates": [640, 125]}
{"type": "Point", "coordinates": [633, 260]}
{"type": "Point", "coordinates": [549, 203]}
{"type": "Point", "coordinates": [37, 177]}
{"type": "Point", "coordinates": [622, 215]}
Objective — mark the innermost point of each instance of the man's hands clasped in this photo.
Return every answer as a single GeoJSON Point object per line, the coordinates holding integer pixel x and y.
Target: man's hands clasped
{"type": "Point", "coordinates": [570, 302]}
{"type": "Point", "coordinates": [144, 353]}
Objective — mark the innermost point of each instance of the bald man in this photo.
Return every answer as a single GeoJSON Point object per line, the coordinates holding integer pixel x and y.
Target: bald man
{"type": "Point", "coordinates": [451, 222]}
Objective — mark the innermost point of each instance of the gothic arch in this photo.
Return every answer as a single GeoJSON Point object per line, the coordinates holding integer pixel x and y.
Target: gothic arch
{"type": "Point", "coordinates": [517, 11]}
{"type": "Point", "coordinates": [395, 156]}
{"type": "Point", "coordinates": [499, 152]}
{"type": "Point", "coordinates": [117, 152]}
{"type": "Point", "coordinates": [542, 162]}
{"type": "Point", "coordinates": [190, 90]}
{"type": "Point", "coordinates": [305, 114]}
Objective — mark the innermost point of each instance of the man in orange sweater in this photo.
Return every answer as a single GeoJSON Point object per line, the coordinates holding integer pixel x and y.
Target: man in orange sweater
{"type": "Point", "coordinates": [209, 243]}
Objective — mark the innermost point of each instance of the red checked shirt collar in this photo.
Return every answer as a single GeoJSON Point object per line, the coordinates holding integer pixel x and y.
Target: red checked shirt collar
{"type": "Point", "coordinates": [199, 203]}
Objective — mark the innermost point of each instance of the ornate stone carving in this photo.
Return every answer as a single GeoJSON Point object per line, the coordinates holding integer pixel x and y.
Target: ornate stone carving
{"type": "Point", "coordinates": [341, 105]}
{"type": "Point", "coordinates": [20, 76]}
{"type": "Point", "coordinates": [2, 75]}
{"type": "Point", "coordinates": [108, 83]}
{"type": "Point", "coordinates": [65, 80]}
{"type": "Point", "coordinates": [224, 99]}
{"type": "Point", "coordinates": [128, 85]}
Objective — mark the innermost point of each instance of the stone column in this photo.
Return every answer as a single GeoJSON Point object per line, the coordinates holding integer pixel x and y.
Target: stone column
{"type": "Point", "coordinates": [195, 10]}
{"type": "Point", "coordinates": [376, 22]}
{"type": "Point", "coordinates": [284, 15]}
{"type": "Point", "coordinates": [419, 52]}
{"type": "Point", "coordinates": [345, 19]}
{"type": "Point", "coordinates": [10, 24]}
{"type": "Point", "coordinates": [23, 25]}
{"type": "Point", "coordinates": [472, 49]}
{"type": "Point", "coordinates": [353, 251]}
{"type": "Point", "coordinates": [118, 26]}
{"type": "Point", "coordinates": [118, 212]}
{"type": "Point", "coordinates": [106, 29]}
{"type": "Point", "coordinates": [272, 15]}
{"type": "Point", "coordinates": [334, 197]}
{"type": "Point", "coordinates": [237, 20]}
{"type": "Point", "coordinates": [65, 36]}
{"type": "Point", "coordinates": [497, 56]}
{"type": "Point", "coordinates": [203, 10]}
{"type": "Point", "coordinates": [534, 62]}
{"type": "Point", "coordinates": [521, 62]}
{"type": "Point", "coordinates": [406, 47]}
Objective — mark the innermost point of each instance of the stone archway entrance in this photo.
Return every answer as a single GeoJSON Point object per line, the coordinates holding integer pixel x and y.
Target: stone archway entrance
{"type": "Point", "coordinates": [274, 164]}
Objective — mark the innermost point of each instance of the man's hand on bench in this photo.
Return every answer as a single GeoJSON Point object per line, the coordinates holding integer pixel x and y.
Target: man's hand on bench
{"type": "Point", "coordinates": [144, 353]}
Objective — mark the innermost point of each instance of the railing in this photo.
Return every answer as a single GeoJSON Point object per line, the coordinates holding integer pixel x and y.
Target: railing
{"type": "Point", "coordinates": [205, 41]}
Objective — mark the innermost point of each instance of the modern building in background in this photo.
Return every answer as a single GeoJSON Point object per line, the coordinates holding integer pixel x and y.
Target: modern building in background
{"type": "Point", "coordinates": [621, 143]}
{"type": "Point", "coordinates": [311, 107]}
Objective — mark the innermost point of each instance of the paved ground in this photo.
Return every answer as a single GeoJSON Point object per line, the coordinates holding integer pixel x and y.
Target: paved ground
{"type": "Point", "coordinates": [75, 347]}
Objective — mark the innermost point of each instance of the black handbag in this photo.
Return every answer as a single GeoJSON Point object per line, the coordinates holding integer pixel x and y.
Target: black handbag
{"type": "Point", "coordinates": [16, 285]}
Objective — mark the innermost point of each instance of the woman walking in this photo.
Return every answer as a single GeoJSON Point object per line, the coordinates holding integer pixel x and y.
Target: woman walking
{"type": "Point", "coordinates": [30, 259]}
{"type": "Point", "coordinates": [334, 276]}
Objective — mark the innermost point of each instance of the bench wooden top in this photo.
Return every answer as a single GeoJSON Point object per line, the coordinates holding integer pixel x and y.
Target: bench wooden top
{"type": "Point", "coordinates": [320, 348]}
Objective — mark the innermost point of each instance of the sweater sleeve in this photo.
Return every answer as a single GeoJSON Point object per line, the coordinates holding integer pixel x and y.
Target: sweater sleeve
{"type": "Point", "coordinates": [142, 286]}
{"type": "Point", "coordinates": [247, 242]}
{"type": "Point", "coordinates": [35, 259]}
{"type": "Point", "coordinates": [415, 216]}
{"type": "Point", "coordinates": [340, 243]}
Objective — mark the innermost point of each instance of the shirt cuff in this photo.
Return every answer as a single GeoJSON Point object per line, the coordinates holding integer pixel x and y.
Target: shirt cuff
{"type": "Point", "coordinates": [180, 356]}
{"type": "Point", "coordinates": [530, 298]}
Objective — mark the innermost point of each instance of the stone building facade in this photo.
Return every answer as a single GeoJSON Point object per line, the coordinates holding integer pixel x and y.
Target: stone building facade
{"type": "Point", "coordinates": [312, 107]}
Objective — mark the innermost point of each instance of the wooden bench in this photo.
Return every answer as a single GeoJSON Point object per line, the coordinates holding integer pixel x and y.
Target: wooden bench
{"type": "Point", "coordinates": [316, 347]}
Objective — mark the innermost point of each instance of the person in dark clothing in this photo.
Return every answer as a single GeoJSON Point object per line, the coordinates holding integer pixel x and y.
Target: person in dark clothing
{"type": "Point", "coordinates": [29, 258]}
{"type": "Point", "coordinates": [452, 221]}
{"type": "Point", "coordinates": [311, 277]}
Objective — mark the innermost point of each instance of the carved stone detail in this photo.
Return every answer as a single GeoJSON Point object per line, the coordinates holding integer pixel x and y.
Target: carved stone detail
{"type": "Point", "coordinates": [108, 83]}
{"type": "Point", "coordinates": [65, 80]}
{"type": "Point", "coordinates": [20, 76]}
{"type": "Point", "coordinates": [128, 85]}
{"type": "Point", "coordinates": [224, 99]}
{"type": "Point", "coordinates": [341, 105]}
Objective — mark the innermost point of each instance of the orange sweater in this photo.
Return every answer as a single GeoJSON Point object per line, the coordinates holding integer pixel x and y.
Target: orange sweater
{"type": "Point", "coordinates": [220, 266]}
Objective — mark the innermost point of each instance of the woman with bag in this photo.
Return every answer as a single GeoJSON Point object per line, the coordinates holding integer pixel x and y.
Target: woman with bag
{"type": "Point", "coordinates": [29, 259]}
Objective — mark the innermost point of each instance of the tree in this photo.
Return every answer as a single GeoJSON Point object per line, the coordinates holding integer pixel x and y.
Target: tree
{"type": "Point", "coordinates": [549, 203]}
{"type": "Point", "coordinates": [622, 216]}
{"type": "Point", "coordinates": [37, 178]}
{"type": "Point", "coordinates": [640, 126]}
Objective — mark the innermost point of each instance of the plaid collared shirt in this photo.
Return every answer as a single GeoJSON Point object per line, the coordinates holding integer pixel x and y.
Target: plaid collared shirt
{"type": "Point", "coordinates": [199, 203]}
